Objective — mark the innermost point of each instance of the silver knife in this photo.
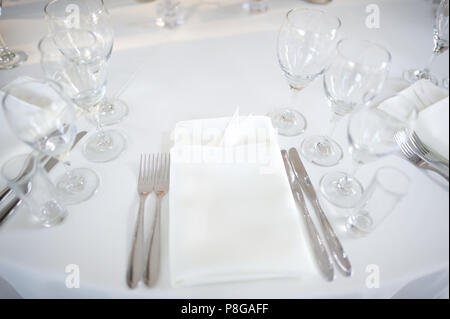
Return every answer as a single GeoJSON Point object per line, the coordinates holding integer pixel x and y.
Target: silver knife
{"type": "Point", "coordinates": [13, 203]}
{"type": "Point", "coordinates": [333, 242]}
{"type": "Point", "coordinates": [322, 257]}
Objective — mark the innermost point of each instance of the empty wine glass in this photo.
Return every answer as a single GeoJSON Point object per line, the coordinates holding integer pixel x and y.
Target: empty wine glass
{"type": "Point", "coordinates": [440, 39]}
{"type": "Point", "coordinates": [88, 15]}
{"type": "Point", "coordinates": [9, 59]}
{"type": "Point", "coordinates": [306, 43]}
{"type": "Point", "coordinates": [41, 198]}
{"type": "Point", "coordinates": [41, 116]}
{"type": "Point", "coordinates": [169, 14]}
{"type": "Point", "coordinates": [255, 6]}
{"type": "Point", "coordinates": [355, 77]}
{"type": "Point", "coordinates": [370, 133]}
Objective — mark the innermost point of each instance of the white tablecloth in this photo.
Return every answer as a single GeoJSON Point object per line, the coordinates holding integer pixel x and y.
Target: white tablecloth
{"type": "Point", "coordinates": [219, 59]}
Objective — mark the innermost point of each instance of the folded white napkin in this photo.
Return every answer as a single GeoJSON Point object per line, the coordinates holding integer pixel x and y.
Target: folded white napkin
{"type": "Point", "coordinates": [232, 214]}
{"type": "Point", "coordinates": [431, 104]}
{"type": "Point", "coordinates": [432, 127]}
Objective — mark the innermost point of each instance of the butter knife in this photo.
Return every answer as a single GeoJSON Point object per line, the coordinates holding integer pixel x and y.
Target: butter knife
{"type": "Point", "coordinates": [335, 246]}
{"type": "Point", "coordinates": [13, 203]}
{"type": "Point", "coordinates": [323, 259]}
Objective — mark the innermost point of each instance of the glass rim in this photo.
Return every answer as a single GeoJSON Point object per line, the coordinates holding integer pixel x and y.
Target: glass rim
{"type": "Point", "coordinates": [397, 171]}
{"type": "Point", "coordinates": [384, 64]}
{"type": "Point", "coordinates": [299, 9]}
{"type": "Point", "coordinates": [51, 2]}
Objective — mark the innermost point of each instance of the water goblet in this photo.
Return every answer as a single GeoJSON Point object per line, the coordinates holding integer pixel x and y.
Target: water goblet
{"type": "Point", "coordinates": [63, 16]}
{"type": "Point", "coordinates": [354, 78]}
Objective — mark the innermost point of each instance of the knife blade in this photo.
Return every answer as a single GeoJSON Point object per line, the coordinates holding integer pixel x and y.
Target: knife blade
{"type": "Point", "coordinates": [14, 202]}
{"type": "Point", "coordinates": [322, 258]}
{"type": "Point", "coordinates": [334, 244]}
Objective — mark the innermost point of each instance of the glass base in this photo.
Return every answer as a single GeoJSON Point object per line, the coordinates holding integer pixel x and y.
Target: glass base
{"type": "Point", "coordinates": [321, 150]}
{"type": "Point", "coordinates": [255, 6]}
{"type": "Point", "coordinates": [52, 214]}
{"type": "Point", "coordinates": [359, 225]}
{"type": "Point", "coordinates": [169, 14]}
{"type": "Point", "coordinates": [104, 146]}
{"type": "Point", "coordinates": [113, 111]}
{"type": "Point", "coordinates": [77, 186]}
{"type": "Point", "coordinates": [341, 189]}
{"type": "Point", "coordinates": [415, 75]}
{"type": "Point", "coordinates": [11, 59]}
{"type": "Point", "coordinates": [288, 122]}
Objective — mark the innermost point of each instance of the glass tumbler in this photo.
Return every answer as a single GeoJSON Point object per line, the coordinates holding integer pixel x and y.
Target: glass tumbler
{"type": "Point", "coordinates": [30, 183]}
{"type": "Point", "coordinates": [385, 191]}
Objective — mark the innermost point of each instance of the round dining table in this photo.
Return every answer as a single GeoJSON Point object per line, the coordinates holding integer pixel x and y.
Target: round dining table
{"type": "Point", "coordinates": [222, 58]}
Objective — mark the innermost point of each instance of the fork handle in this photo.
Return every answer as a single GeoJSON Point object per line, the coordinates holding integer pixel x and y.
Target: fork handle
{"type": "Point", "coordinates": [153, 260]}
{"type": "Point", "coordinates": [136, 267]}
{"type": "Point", "coordinates": [436, 170]}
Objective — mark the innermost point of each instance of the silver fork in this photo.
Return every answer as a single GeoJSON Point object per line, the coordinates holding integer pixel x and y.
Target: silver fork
{"type": "Point", "coordinates": [402, 140]}
{"type": "Point", "coordinates": [145, 187]}
{"type": "Point", "coordinates": [424, 152]}
{"type": "Point", "coordinates": [161, 188]}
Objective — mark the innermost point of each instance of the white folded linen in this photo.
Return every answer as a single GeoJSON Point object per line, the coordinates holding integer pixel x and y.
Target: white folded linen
{"type": "Point", "coordinates": [432, 127]}
{"type": "Point", "coordinates": [232, 214]}
{"type": "Point", "coordinates": [431, 104]}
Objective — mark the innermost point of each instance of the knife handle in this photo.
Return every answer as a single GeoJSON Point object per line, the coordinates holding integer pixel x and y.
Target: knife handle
{"type": "Point", "coordinates": [334, 244]}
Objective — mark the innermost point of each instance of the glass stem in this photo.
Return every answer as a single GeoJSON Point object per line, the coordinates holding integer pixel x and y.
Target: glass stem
{"type": "Point", "coordinates": [334, 120]}
{"type": "Point", "coordinates": [355, 168]}
{"type": "Point", "coordinates": [67, 168]}
{"type": "Point", "coordinates": [98, 110]}
{"type": "Point", "coordinates": [293, 97]}
{"type": "Point", "coordinates": [430, 62]}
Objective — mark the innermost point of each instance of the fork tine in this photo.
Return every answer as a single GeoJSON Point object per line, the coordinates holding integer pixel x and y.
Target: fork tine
{"type": "Point", "coordinates": [140, 168]}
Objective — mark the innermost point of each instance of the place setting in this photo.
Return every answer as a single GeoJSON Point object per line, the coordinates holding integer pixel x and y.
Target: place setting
{"type": "Point", "coordinates": [240, 199]}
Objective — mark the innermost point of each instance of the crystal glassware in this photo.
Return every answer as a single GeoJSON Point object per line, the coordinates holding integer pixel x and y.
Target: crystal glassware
{"type": "Point", "coordinates": [9, 59]}
{"type": "Point", "coordinates": [385, 191]}
{"type": "Point", "coordinates": [370, 133]}
{"type": "Point", "coordinates": [440, 39]}
{"type": "Point", "coordinates": [306, 44]}
{"type": "Point", "coordinates": [42, 197]}
{"type": "Point", "coordinates": [169, 14]}
{"type": "Point", "coordinates": [354, 78]}
{"type": "Point", "coordinates": [255, 6]}
{"type": "Point", "coordinates": [88, 15]}
{"type": "Point", "coordinates": [41, 116]}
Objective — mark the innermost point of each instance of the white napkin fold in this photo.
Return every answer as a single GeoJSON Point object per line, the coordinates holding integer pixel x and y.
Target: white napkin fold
{"type": "Point", "coordinates": [232, 215]}
{"type": "Point", "coordinates": [431, 104]}
{"type": "Point", "coordinates": [432, 127]}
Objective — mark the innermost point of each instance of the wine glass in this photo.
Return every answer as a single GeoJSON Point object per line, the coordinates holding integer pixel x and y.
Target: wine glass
{"type": "Point", "coordinates": [440, 39]}
{"type": "Point", "coordinates": [9, 59]}
{"type": "Point", "coordinates": [91, 15]}
{"type": "Point", "coordinates": [41, 116]}
{"type": "Point", "coordinates": [355, 77]}
{"type": "Point", "coordinates": [306, 43]}
{"type": "Point", "coordinates": [169, 14]}
{"type": "Point", "coordinates": [370, 134]}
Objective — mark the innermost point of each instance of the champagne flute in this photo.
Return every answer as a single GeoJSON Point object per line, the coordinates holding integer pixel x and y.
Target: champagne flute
{"type": "Point", "coordinates": [40, 115]}
{"type": "Point", "coordinates": [355, 77]}
{"type": "Point", "coordinates": [306, 43]}
{"type": "Point", "coordinates": [440, 39]}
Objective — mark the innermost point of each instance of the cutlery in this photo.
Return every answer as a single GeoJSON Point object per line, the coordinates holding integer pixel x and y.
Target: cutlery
{"type": "Point", "coordinates": [424, 152]}
{"type": "Point", "coordinates": [15, 202]}
{"type": "Point", "coordinates": [25, 170]}
{"type": "Point", "coordinates": [147, 171]}
{"type": "Point", "coordinates": [335, 246]}
{"type": "Point", "coordinates": [322, 257]}
{"type": "Point", "coordinates": [408, 150]}
{"type": "Point", "coordinates": [162, 178]}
